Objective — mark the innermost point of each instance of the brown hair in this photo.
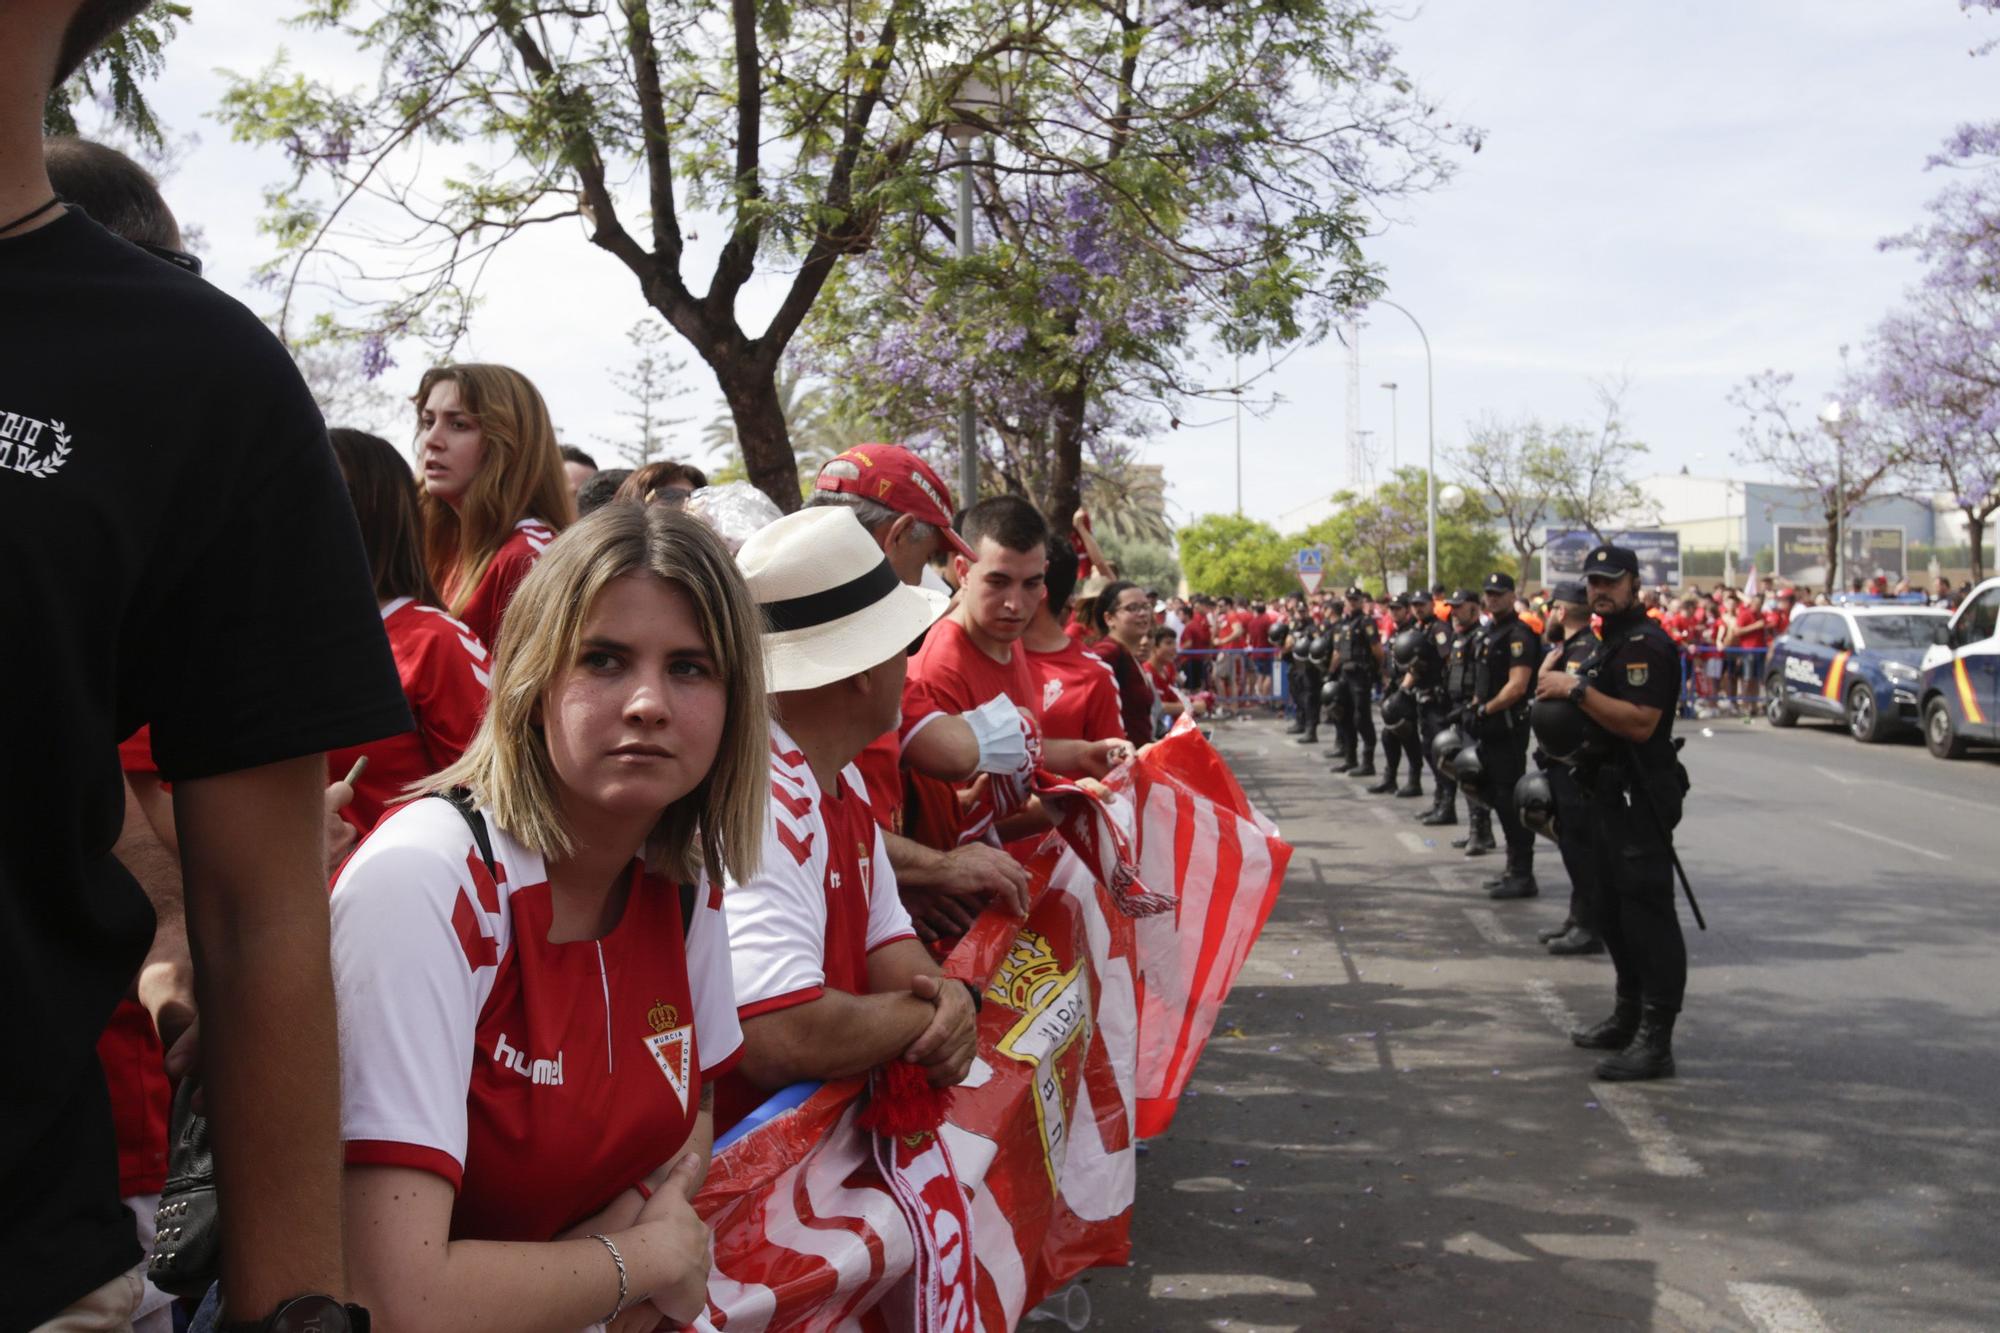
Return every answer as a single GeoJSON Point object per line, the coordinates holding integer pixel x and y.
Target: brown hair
{"type": "Point", "coordinates": [385, 505]}
{"type": "Point", "coordinates": [718, 827]}
{"type": "Point", "coordinates": [520, 476]}
{"type": "Point", "coordinates": [648, 480]}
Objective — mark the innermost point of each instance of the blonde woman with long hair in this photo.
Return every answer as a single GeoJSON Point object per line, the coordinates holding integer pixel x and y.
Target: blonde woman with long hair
{"type": "Point", "coordinates": [494, 492]}
{"type": "Point", "coordinates": [534, 987]}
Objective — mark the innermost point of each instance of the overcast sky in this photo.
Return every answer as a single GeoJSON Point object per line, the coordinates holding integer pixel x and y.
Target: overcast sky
{"type": "Point", "coordinates": [1678, 194]}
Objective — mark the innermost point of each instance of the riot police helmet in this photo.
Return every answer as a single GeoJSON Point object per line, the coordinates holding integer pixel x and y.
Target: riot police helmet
{"type": "Point", "coordinates": [1561, 729]}
{"type": "Point", "coordinates": [1535, 801]}
{"type": "Point", "coordinates": [1399, 714]}
{"type": "Point", "coordinates": [1405, 645]}
{"type": "Point", "coordinates": [1445, 747]}
{"type": "Point", "coordinates": [1329, 692]}
{"type": "Point", "coordinates": [1468, 770]}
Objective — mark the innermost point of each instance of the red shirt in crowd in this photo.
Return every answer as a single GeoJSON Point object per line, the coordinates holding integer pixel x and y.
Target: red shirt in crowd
{"type": "Point", "coordinates": [1750, 628]}
{"type": "Point", "coordinates": [950, 674]}
{"type": "Point", "coordinates": [822, 900]}
{"type": "Point", "coordinates": [1259, 627]}
{"type": "Point", "coordinates": [1135, 694]}
{"type": "Point", "coordinates": [444, 669]}
{"type": "Point", "coordinates": [510, 564]}
{"type": "Point", "coordinates": [1777, 620]}
{"type": "Point", "coordinates": [1079, 699]}
{"type": "Point", "coordinates": [135, 1070]}
{"type": "Point", "coordinates": [541, 1080]}
{"type": "Point", "coordinates": [1163, 683]}
{"type": "Point", "coordinates": [1196, 636]}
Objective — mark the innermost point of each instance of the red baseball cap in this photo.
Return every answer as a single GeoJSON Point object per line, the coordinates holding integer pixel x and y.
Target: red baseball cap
{"type": "Point", "coordinates": [891, 475]}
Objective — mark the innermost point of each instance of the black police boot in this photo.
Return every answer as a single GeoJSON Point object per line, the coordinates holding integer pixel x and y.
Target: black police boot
{"type": "Point", "coordinates": [1555, 932]}
{"type": "Point", "coordinates": [1515, 886]}
{"type": "Point", "coordinates": [1651, 1054]}
{"type": "Point", "coordinates": [1384, 787]}
{"type": "Point", "coordinates": [1576, 940]}
{"type": "Point", "coordinates": [1344, 762]}
{"type": "Point", "coordinates": [1298, 725]}
{"type": "Point", "coordinates": [1367, 767]}
{"type": "Point", "coordinates": [1414, 787]}
{"type": "Point", "coordinates": [1614, 1033]}
{"type": "Point", "coordinates": [1444, 812]}
{"type": "Point", "coordinates": [1310, 735]}
{"type": "Point", "coordinates": [1480, 841]}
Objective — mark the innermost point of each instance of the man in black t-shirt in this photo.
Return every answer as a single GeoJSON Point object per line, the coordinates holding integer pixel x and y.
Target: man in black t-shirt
{"type": "Point", "coordinates": [1509, 654]}
{"type": "Point", "coordinates": [179, 551]}
{"type": "Point", "coordinates": [1629, 691]}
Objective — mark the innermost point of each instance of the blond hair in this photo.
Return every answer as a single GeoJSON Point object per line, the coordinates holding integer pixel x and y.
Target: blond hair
{"type": "Point", "coordinates": [718, 827]}
{"type": "Point", "coordinates": [520, 476]}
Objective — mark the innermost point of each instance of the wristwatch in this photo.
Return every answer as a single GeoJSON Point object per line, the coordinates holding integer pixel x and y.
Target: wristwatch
{"type": "Point", "coordinates": [305, 1314]}
{"type": "Point", "coordinates": [1576, 690]}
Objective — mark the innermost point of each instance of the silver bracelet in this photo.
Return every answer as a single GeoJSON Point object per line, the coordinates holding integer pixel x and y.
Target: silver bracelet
{"type": "Point", "coordinates": [624, 1289]}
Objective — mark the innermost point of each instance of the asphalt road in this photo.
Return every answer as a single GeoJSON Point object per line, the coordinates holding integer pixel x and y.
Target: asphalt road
{"type": "Point", "coordinates": [1390, 1130]}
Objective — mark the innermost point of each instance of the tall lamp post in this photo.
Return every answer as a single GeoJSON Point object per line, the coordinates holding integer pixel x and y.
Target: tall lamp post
{"type": "Point", "coordinates": [1390, 385]}
{"type": "Point", "coordinates": [976, 101]}
{"type": "Point", "coordinates": [1830, 417]}
{"type": "Point", "coordinates": [1239, 434]}
{"type": "Point", "coordinates": [1430, 443]}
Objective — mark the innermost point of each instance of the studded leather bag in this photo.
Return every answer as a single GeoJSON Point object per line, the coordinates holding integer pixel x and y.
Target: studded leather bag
{"type": "Point", "coordinates": [187, 1240]}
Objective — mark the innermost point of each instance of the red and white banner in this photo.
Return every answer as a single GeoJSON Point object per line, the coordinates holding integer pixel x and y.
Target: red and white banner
{"type": "Point", "coordinates": [1091, 1025]}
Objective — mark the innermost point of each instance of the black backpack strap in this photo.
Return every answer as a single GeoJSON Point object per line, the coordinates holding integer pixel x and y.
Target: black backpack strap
{"type": "Point", "coordinates": [688, 892]}
{"type": "Point", "coordinates": [460, 799]}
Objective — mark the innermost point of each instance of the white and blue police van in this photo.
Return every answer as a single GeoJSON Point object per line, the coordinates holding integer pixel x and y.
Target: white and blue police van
{"type": "Point", "coordinates": [1960, 695]}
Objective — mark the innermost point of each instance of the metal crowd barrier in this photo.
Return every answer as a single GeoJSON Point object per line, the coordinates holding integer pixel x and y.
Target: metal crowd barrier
{"type": "Point", "coordinates": [1722, 682]}
{"type": "Point", "coordinates": [1242, 679]}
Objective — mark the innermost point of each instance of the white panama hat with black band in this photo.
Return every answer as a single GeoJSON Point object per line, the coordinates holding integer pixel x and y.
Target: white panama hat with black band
{"type": "Point", "coordinates": [833, 607]}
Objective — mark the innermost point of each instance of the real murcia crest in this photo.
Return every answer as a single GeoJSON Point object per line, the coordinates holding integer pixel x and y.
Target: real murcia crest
{"type": "Point", "coordinates": [673, 1052]}
{"type": "Point", "coordinates": [32, 447]}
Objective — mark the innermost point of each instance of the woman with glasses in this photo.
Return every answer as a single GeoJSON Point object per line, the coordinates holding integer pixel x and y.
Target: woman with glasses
{"type": "Point", "coordinates": [495, 494]}
{"type": "Point", "coordinates": [1123, 618]}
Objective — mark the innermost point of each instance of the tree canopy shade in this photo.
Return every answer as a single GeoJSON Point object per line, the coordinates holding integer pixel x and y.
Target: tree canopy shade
{"type": "Point", "coordinates": [1227, 555]}
{"type": "Point", "coordinates": [1371, 537]}
{"type": "Point", "coordinates": [1222, 153]}
{"type": "Point", "coordinates": [116, 72]}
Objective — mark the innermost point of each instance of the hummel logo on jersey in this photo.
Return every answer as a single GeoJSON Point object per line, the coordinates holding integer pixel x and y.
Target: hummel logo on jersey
{"type": "Point", "coordinates": [548, 1072]}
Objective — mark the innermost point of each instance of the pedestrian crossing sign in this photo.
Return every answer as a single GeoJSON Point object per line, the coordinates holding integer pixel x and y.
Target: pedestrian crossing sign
{"type": "Point", "coordinates": [1310, 563]}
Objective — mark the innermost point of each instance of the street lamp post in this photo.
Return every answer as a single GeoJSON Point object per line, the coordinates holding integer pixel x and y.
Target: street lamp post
{"type": "Point", "coordinates": [1430, 444]}
{"type": "Point", "coordinates": [1830, 417]}
{"type": "Point", "coordinates": [1239, 434]}
{"type": "Point", "coordinates": [976, 101]}
{"type": "Point", "coordinates": [1390, 385]}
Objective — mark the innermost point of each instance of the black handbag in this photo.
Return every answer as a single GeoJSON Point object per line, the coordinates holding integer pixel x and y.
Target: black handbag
{"type": "Point", "coordinates": [187, 1237]}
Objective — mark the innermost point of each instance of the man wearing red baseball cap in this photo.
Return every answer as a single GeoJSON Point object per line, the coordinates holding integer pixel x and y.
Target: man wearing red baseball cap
{"type": "Point", "coordinates": [907, 509]}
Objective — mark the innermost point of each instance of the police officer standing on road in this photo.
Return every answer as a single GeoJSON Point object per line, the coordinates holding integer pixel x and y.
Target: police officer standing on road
{"type": "Point", "coordinates": [1400, 740]}
{"type": "Point", "coordinates": [1358, 665]}
{"type": "Point", "coordinates": [1424, 679]}
{"type": "Point", "coordinates": [1461, 680]}
{"type": "Point", "coordinates": [1574, 645]}
{"type": "Point", "coordinates": [1506, 681]}
{"type": "Point", "coordinates": [1628, 692]}
{"type": "Point", "coordinates": [1312, 645]}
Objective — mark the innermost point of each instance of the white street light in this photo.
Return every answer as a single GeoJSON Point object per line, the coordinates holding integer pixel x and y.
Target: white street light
{"type": "Point", "coordinates": [1829, 417]}
{"type": "Point", "coordinates": [977, 105]}
{"type": "Point", "coordinates": [1430, 444]}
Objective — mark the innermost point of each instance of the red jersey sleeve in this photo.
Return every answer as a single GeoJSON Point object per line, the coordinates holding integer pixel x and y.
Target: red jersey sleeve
{"type": "Point", "coordinates": [484, 610]}
{"type": "Point", "coordinates": [448, 686]}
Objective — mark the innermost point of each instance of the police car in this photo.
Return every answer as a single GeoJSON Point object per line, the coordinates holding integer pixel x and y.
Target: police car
{"type": "Point", "coordinates": [1857, 663]}
{"type": "Point", "coordinates": [1960, 690]}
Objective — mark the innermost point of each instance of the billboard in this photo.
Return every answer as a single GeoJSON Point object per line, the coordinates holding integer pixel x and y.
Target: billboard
{"type": "Point", "coordinates": [1801, 552]}
{"type": "Point", "coordinates": [1659, 554]}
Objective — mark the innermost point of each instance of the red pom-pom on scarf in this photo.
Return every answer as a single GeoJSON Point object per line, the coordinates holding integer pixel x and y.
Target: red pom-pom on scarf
{"type": "Point", "coordinates": [902, 1101]}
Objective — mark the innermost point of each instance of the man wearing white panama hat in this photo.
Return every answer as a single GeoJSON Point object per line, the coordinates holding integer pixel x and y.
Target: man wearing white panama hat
{"type": "Point", "coordinates": [830, 978]}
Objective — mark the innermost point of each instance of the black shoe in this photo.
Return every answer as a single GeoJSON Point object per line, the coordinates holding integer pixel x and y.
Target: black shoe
{"type": "Point", "coordinates": [1382, 788]}
{"type": "Point", "coordinates": [1481, 846]}
{"type": "Point", "coordinates": [1555, 932]}
{"type": "Point", "coordinates": [1576, 941]}
{"type": "Point", "coordinates": [1651, 1054]}
{"type": "Point", "coordinates": [1311, 737]}
{"type": "Point", "coordinates": [1439, 818]}
{"type": "Point", "coordinates": [1515, 886]}
{"type": "Point", "coordinates": [1493, 883]}
{"type": "Point", "coordinates": [1366, 770]}
{"type": "Point", "coordinates": [1296, 727]}
{"type": "Point", "coordinates": [1465, 841]}
{"type": "Point", "coordinates": [1409, 791]}
{"type": "Point", "coordinates": [1614, 1033]}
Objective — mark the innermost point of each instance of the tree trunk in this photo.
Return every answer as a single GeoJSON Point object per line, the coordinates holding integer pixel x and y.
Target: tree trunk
{"type": "Point", "coordinates": [1066, 465]}
{"type": "Point", "coordinates": [761, 432]}
{"type": "Point", "coordinates": [1975, 537]}
{"type": "Point", "coordinates": [1835, 557]}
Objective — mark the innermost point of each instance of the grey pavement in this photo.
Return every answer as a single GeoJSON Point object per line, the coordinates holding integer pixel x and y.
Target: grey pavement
{"type": "Point", "coordinates": [1390, 1130]}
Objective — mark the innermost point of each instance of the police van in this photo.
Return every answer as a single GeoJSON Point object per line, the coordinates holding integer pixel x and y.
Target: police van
{"type": "Point", "coordinates": [1960, 694]}
{"type": "Point", "coordinates": [1857, 663]}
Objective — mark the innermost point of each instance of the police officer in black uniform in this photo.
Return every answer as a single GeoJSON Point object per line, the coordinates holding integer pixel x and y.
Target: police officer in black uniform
{"type": "Point", "coordinates": [1629, 692]}
{"type": "Point", "coordinates": [1312, 648]}
{"type": "Point", "coordinates": [1574, 644]}
{"type": "Point", "coordinates": [1424, 679]}
{"type": "Point", "coordinates": [1282, 640]}
{"type": "Point", "coordinates": [1505, 688]}
{"type": "Point", "coordinates": [1399, 742]}
{"type": "Point", "coordinates": [1461, 680]}
{"type": "Point", "coordinates": [1357, 650]}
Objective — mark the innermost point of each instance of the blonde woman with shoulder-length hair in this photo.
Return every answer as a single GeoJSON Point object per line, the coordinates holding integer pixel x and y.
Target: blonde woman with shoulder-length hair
{"type": "Point", "coordinates": [494, 492]}
{"type": "Point", "coordinates": [531, 1025]}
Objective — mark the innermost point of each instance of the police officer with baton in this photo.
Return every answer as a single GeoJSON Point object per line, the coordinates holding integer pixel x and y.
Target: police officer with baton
{"type": "Point", "coordinates": [1574, 644]}
{"type": "Point", "coordinates": [1629, 692]}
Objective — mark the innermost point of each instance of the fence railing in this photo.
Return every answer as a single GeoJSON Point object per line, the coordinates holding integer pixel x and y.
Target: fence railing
{"type": "Point", "coordinates": [1241, 679]}
{"type": "Point", "coordinates": [1717, 682]}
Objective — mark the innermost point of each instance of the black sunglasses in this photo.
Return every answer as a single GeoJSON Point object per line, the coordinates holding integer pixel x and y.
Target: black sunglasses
{"type": "Point", "coordinates": [178, 258]}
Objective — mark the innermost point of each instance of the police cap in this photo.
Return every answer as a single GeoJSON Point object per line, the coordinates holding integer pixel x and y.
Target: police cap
{"type": "Point", "coordinates": [1499, 581]}
{"type": "Point", "coordinates": [1608, 562]}
{"type": "Point", "coordinates": [1573, 593]}
{"type": "Point", "coordinates": [1357, 593]}
{"type": "Point", "coordinates": [1464, 597]}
